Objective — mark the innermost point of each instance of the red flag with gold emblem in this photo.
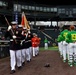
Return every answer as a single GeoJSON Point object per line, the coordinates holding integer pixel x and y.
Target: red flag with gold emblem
{"type": "Point", "coordinates": [24, 21]}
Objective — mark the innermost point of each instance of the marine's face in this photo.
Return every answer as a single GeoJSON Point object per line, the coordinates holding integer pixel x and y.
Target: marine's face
{"type": "Point", "coordinates": [25, 31]}
{"type": "Point", "coordinates": [14, 26]}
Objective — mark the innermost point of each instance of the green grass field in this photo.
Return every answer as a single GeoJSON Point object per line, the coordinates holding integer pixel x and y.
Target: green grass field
{"type": "Point", "coordinates": [50, 48]}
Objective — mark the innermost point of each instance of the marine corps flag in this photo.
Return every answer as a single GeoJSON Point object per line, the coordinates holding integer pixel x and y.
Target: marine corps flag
{"type": "Point", "coordinates": [24, 21]}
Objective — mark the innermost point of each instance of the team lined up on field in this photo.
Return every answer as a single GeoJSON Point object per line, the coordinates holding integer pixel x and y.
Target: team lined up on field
{"type": "Point", "coordinates": [67, 45]}
{"type": "Point", "coordinates": [23, 45]}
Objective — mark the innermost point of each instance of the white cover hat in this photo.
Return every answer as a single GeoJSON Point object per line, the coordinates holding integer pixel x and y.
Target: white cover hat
{"type": "Point", "coordinates": [14, 22]}
{"type": "Point", "coordinates": [24, 28]}
{"type": "Point", "coordinates": [20, 26]}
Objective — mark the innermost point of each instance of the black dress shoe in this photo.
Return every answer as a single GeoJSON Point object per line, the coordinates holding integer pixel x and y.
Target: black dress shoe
{"type": "Point", "coordinates": [28, 61]}
{"type": "Point", "coordinates": [23, 63]}
{"type": "Point", "coordinates": [12, 71]}
{"type": "Point", "coordinates": [19, 67]}
{"type": "Point", "coordinates": [36, 55]}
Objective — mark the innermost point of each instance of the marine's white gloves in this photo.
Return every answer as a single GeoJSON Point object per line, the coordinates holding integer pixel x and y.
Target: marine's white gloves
{"type": "Point", "coordinates": [14, 37]}
{"type": "Point", "coordinates": [29, 32]}
{"type": "Point", "coordinates": [9, 28]}
{"type": "Point", "coordinates": [22, 42]}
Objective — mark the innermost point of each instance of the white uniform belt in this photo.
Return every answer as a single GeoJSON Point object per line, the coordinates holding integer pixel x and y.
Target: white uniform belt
{"type": "Point", "coordinates": [11, 39]}
{"type": "Point", "coordinates": [27, 41]}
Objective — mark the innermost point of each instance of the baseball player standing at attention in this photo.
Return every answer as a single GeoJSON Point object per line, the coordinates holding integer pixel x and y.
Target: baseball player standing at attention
{"type": "Point", "coordinates": [38, 41]}
{"type": "Point", "coordinates": [71, 39]}
{"type": "Point", "coordinates": [65, 44]}
{"type": "Point", "coordinates": [60, 46]}
{"type": "Point", "coordinates": [34, 44]}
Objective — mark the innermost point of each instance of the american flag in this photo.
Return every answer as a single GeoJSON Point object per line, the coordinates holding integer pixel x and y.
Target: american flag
{"type": "Point", "coordinates": [16, 17]}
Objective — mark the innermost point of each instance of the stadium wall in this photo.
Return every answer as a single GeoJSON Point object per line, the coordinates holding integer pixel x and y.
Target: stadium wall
{"type": "Point", "coordinates": [50, 34]}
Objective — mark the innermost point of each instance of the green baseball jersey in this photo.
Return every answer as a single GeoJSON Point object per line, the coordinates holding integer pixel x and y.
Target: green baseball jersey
{"type": "Point", "coordinates": [45, 41]}
{"type": "Point", "coordinates": [60, 38]}
{"type": "Point", "coordinates": [64, 34]}
{"type": "Point", "coordinates": [71, 37]}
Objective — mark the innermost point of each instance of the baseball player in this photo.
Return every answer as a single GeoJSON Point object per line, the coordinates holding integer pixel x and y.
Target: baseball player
{"type": "Point", "coordinates": [38, 42]}
{"type": "Point", "coordinates": [71, 39]}
{"type": "Point", "coordinates": [65, 44]}
{"type": "Point", "coordinates": [60, 44]}
{"type": "Point", "coordinates": [46, 43]}
{"type": "Point", "coordinates": [34, 44]}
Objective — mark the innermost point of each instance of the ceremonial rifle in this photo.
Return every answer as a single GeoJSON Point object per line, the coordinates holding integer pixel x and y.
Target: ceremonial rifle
{"type": "Point", "coordinates": [11, 28]}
